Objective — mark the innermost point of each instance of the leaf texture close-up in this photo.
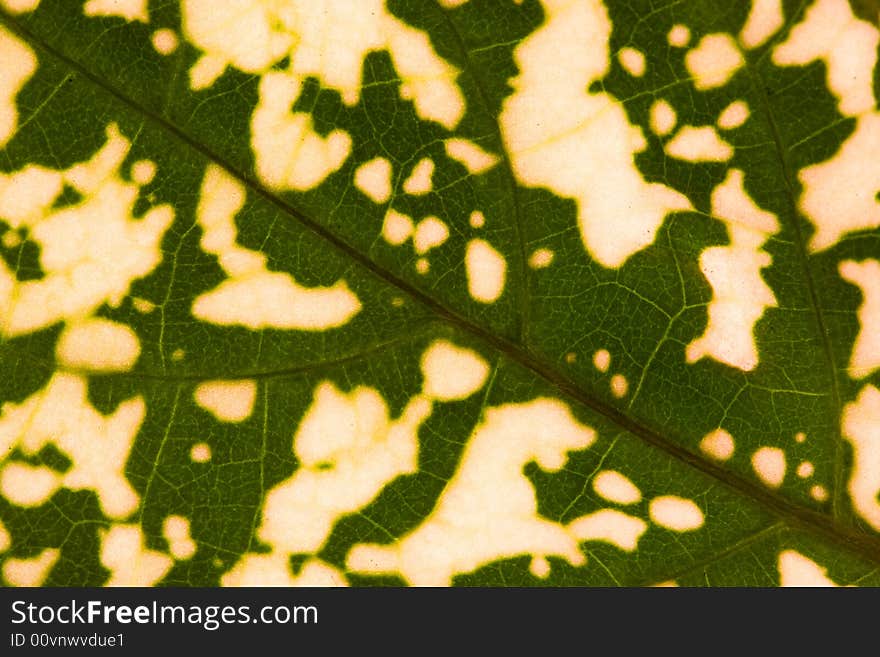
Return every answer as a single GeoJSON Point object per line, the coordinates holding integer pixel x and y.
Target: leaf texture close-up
{"type": "Point", "coordinates": [439, 292]}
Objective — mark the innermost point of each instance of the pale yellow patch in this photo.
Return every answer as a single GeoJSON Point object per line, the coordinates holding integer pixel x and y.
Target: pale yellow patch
{"type": "Point", "coordinates": [860, 426]}
{"type": "Point", "coordinates": [11, 239]}
{"type": "Point", "coordinates": [663, 117]}
{"type": "Point", "coordinates": [175, 529]}
{"type": "Point", "coordinates": [143, 305]}
{"type": "Point", "coordinates": [602, 360]}
{"type": "Point", "coordinates": [397, 228]}
{"type": "Point", "coordinates": [5, 538]}
{"type": "Point", "coordinates": [253, 296]}
{"type": "Point", "coordinates": [486, 271]}
{"type": "Point", "coordinates": [616, 487]}
{"type": "Point", "coordinates": [373, 178]}
{"type": "Point", "coordinates": [765, 19]}
{"type": "Point", "coordinates": [676, 513]}
{"type": "Point", "coordinates": [91, 252]}
{"type": "Point", "coordinates": [769, 464]}
{"type": "Point", "coordinates": [97, 345]}
{"type": "Point", "coordinates": [855, 168]}
{"type": "Point", "coordinates": [477, 219]}
{"type": "Point", "coordinates": [805, 470]}
{"type": "Point", "coordinates": [178, 355]}
{"type": "Point", "coordinates": [274, 570]}
{"type": "Point", "coordinates": [619, 529]}
{"type": "Point", "coordinates": [846, 44]}
{"type": "Point", "coordinates": [228, 401]}
{"type": "Point", "coordinates": [28, 485]}
{"type": "Point", "coordinates": [98, 445]}
{"type": "Point", "coordinates": [488, 510]}
{"type": "Point", "coordinates": [668, 584]}
{"type": "Point", "coordinates": [129, 561]}
{"type": "Point", "coordinates": [17, 64]}
{"type": "Point", "coordinates": [797, 570]}
{"type": "Point", "coordinates": [865, 358]}
{"type": "Point", "coordinates": [739, 294]}
{"type": "Point", "coordinates": [541, 258]}
{"type": "Point", "coordinates": [200, 453]}
{"type": "Point", "coordinates": [800, 437]}
{"type": "Point", "coordinates": [718, 444]}
{"type": "Point", "coordinates": [143, 171]}
{"type": "Point", "coordinates": [165, 41]}
{"type": "Point", "coordinates": [632, 61]}
{"type": "Point", "coordinates": [474, 158]}
{"type": "Point", "coordinates": [714, 61]}
{"type": "Point", "coordinates": [431, 232]}
{"type": "Point", "coordinates": [734, 115]}
{"type": "Point", "coordinates": [560, 135]}
{"type": "Point", "coordinates": [130, 10]}
{"type": "Point", "coordinates": [679, 36]}
{"type": "Point", "coordinates": [452, 373]}
{"type": "Point", "coordinates": [19, 6]}
{"type": "Point", "coordinates": [619, 385]}
{"type": "Point", "coordinates": [819, 493]}
{"type": "Point", "coordinates": [423, 266]}
{"type": "Point", "coordinates": [30, 572]}
{"type": "Point", "coordinates": [420, 180]}
{"type": "Point", "coordinates": [699, 144]}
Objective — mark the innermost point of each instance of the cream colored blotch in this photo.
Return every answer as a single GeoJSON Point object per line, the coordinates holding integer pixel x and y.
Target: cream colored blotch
{"type": "Point", "coordinates": [602, 360]}
{"type": "Point", "coordinates": [27, 485]}
{"type": "Point", "coordinates": [91, 252]}
{"type": "Point", "coordinates": [861, 428]}
{"type": "Point", "coordinates": [274, 570]}
{"type": "Point", "coordinates": [129, 561]}
{"type": "Point", "coordinates": [488, 510]}
{"type": "Point", "coordinates": [419, 181]}
{"type": "Point", "coordinates": [663, 118]}
{"type": "Point", "coordinates": [474, 158]}
{"type": "Point", "coordinates": [130, 10]}
{"type": "Point", "coordinates": [165, 41]}
{"type": "Point", "coordinates": [739, 294]}
{"type": "Point", "coordinates": [676, 513]}
{"type": "Point", "coordinates": [397, 228]}
{"type": "Point", "coordinates": [200, 453]}
{"type": "Point", "coordinates": [486, 271]}
{"type": "Point", "coordinates": [615, 487]}
{"type": "Point", "coordinates": [477, 219]}
{"type": "Point", "coordinates": [175, 529]}
{"type": "Point", "coordinates": [253, 296]}
{"type": "Point", "coordinates": [617, 528]}
{"type": "Point", "coordinates": [718, 444]}
{"type": "Point", "coordinates": [619, 385]}
{"type": "Point", "coordinates": [17, 64]}
{"type": "Point", "coordinates": [559, 135]}
{"type": "Point", "coordinates": [765, 19]}
{"type": "Point", "coordinates": [97, 345]}
{"type": "Point", "coordinates": [430, 233]}
{"type": "Point", "coordinates": [97, 445]}
{"type": "Point", "coordinates": [853, 168]}
{"type": "Point", "coordinates": [847, 45]}
{"type": "Point", "coordinates": [679, 36]}
{"type": "Point", "coordinates": [228, 401]}
{"type": "Point", "coordinates": [143, 171]}
{"type": "Point", "coordinates": [30, 572]}
{"type": "Point", "coordinates": [19, 6]}
{"type": "Point", "coordinates": [632, 61]}
{"type": "Point", "coordinates": [5, 538]}
{"type": "Point", "coordinates": [734, 115]}
{"type": "Point", "coordinates": [452, 373]}
{"type": "Point", "coordinates": [714, 61]}
{"type": "Point", "coordinates": [797, 570]}
{"type": "Point", "coordinates": [805, 470]}
{"type": "Point", "coordinates": [541, 258]}
{"type": "Point", "coordinates": [769, 464]}
{"type": "Point", "coordinates": [865, 358]}
{"type": "Point", "coordinates": [373, 178]}
{"type": "Point", "coordinates": [699, 144]}
{"type": "Point", "coordinates": [819, 493]}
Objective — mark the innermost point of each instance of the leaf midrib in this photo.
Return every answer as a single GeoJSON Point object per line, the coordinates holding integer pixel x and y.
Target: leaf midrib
{"type": "Point", "coordinates": [865, 545]}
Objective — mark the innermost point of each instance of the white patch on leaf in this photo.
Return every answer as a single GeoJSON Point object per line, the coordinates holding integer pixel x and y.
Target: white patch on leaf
{"type": "Point", "coordinates": [718, 444]}
{"type": "Point", "coordinates": [676, 513]}
{"type": "Point", "coordinates": [17, 64]}
{"type": "Point", "coordinates": [713, 61]}
{"type": "Point", "coordinates": [770, 466]}
{"type": "Point", "coordinates": [632, 61]}
{"type": "Point", "coordinates": [28, 485]}
{"type": "Point", "coordinates": [164, 41]}
{"type": "Point", "coordinates": [97, 345]}
{"type": "Point", "coordinates": [452, 373]}
{"type": "Point", "coordinates": [486, 271]}
{"type": "Point", "coordinates": [765, 19]}
{"type": "Point", "coordinates": [19, 6]}
{"type": "Point", "coordinates": [474, 158]}
{"type": "Point", "coordinates": [739, 294]}
{"type": "Point", "coordinates": [130, 10]}
{"type": "Point", "coordinates": [30, 572]}
{"type": "Point", "coordinates": [130, 562]}
{"type": "Point", "coordinates": [274, 570]}
{"type": "Point", "coordinates": [860, 426]}
{"type": "Point", "coordinates": [797, 570]}
{"type": "Point", "coordinates": [373, 178]}
{"type": "Point", "coordinates": [561, 136]}
{"type": "Point", "coordinates": [865, 358]}
{"type": "Point", "coordinates": [663, 117]}
{"type": "Point", "coordinates": [430, 232]}
{"type": "Point", "coordinates": [699, 144]}
{"type": "Point", "coordinates": [616, 487]}
{"type": "Point", "coordinates": [228, 401]}
{"type": "Point", "coordinates": [419, 181]}
{"type": "Point", "coordinates": [397, 228]}
{"type": "Point", "coordinates": [175, 529]}
{"type": "Point", "coordinates": [734, 115]}
{"type": "Point", "coordinates": [253, 296]}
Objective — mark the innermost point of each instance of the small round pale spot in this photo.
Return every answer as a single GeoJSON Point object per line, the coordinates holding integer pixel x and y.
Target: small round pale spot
{"type": "Point", "coordinates": [805, 470]}
{"type": "Point", "coordinates": [164, 41]}
{"type": "Point", "coordinates": [615, 487]}
{"type": "Point", "coordinates": [178, 354]}
{"type": "Point", "coordinates": [676, 513]}
{"type": "Point", "coordinates": [200, 453]}
{"type": "Point", "coordinates": [819, 493]}
{"type": "Point", "coordinates": [452, 372]}
{"type": "Point", "coordinates": [477, 220]}
{"type": "Point", "coordinates": [718, 445]}
{"type": "Point", "coordinates": [663, 117]}
{"type": "Point", "coordinates": [11, 239]}
{"type": "Point", "coordinates": [769, 465]}
{"type": "Point", "coordinates": [143, 172]}
{"type": "Point", "coordinates": [540, 567]}
{"type": "Point", "coordinates": [228, 401]}
{"type": "Point", "coordinates": [800, 437]}
{"type": "Point", "coordinates": [619, 385]}
{"type": "Point", "coordinates": [397, 228]}
{"type": "Point", "coordinates": [423, 266]}
{"type": "Point", "coordinates": [633, 61]}
{"type": "Point", "coordinates": [679, 36]}
{"type": "Point", "coordinates": [602, 360]}
{"type": "Point", "coordinates": [734, 115]}
{"type": "Point", "coordinates": [541, 258]}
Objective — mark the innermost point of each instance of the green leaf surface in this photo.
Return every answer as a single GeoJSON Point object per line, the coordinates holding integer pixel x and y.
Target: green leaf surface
{"type": "Point", "coordinates": [435, 292]}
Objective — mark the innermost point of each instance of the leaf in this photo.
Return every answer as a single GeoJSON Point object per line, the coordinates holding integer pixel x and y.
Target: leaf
{"type": "Point", "coordinates": [458, 292]}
